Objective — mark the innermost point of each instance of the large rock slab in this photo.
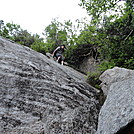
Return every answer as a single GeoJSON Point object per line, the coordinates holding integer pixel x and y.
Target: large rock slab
{"type": "Point", "coordinates": [117, 113]}
{"type": "Point", "coordinates": [89, 65]}
{"type": "Point", "coordinates": [111, 76]}
{"type": "Point", "coordinates": [40, 96]}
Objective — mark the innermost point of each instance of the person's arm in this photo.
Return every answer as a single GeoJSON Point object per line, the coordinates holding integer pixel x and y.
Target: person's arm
{"type": "Point", "coordinates": [55, 51]}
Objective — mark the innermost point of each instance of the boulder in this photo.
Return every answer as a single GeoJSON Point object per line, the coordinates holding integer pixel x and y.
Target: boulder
{"type": "Point", "coordinates": [40, 96]}
{"type": "Point", "coordinates": [111, 76]}
{"type": "Point", "coordinates": [117, 114]}
{"type": "Point", "coordinates": [89, 65]}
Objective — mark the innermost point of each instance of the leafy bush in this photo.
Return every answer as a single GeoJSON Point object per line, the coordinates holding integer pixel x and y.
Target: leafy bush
{"type": "Point", "coordinates": [106, 65]}
{"type": "Point", "coordinates": [39, 47]}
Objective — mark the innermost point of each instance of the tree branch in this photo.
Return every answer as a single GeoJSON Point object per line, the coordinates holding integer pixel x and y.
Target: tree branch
{"type": "Point", "coordinates": [129, 34]}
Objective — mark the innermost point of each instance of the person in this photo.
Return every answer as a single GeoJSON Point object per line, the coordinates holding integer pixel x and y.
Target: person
{"type": "Point", "coordinates": [58, 53]}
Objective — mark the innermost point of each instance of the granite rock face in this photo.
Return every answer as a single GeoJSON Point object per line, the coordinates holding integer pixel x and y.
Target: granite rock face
{"type": "Point", "coordinates": [116, 74]}
{"type": "Point", "coordinates": [117, 114]}
{"type": "Point", "coordinates": [89, 65]}
{"type": "Point", "coordinates": [40, 96]}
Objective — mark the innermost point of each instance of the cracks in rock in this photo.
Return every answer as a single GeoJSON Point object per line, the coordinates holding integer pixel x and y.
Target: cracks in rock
{"type": "Point", "coordinates": [10, 120]}
{"type": "Point", "coordinates": [80, 88]}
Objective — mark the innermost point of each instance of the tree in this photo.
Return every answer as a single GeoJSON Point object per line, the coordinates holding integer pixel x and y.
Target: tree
{"type": "Point", "coordinates": [118, 49]}
{"type": "Point", "coordinates": [1, 24]}
{"type": "Point", "coordinates": [54, 35]}
{"type": "Point", "coordinates": [38, 44]}
{"type": "Point", "coordinates": [86, 44]}
{"type": "Point", "coordinates": [96, 9]}
{"type": "Point", "coordinates": [23, 37]}
{"type": "Point", "coordinates": [9, 30]}
{"type": "Point", "coordinates": [115, 33]}
{"type": "Point", "coordinates": [59, 33]}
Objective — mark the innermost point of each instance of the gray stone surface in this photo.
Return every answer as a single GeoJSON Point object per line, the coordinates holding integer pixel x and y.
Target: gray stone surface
{"type": "Point", "coordinates": [40, 96]}
{"type": "Point", "coordinates": [118, 110]}
{"type": "Point", "coordinates": [89, 65]}
{"type": "Point", "coordinates": [111, 76]}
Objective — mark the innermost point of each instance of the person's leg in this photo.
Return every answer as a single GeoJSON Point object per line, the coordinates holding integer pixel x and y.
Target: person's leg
{"type": "Point", "coordinates": [62, 62]}
{"type": "Point", "coordinates": [58, 58]}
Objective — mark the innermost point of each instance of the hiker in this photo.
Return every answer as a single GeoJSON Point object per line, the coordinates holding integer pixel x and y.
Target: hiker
{"type": "Point", "coordinates": [58, 53]}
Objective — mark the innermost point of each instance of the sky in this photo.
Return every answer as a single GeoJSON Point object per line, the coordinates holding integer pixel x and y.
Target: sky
{"type": "Point", "coordinates": [35, 15]}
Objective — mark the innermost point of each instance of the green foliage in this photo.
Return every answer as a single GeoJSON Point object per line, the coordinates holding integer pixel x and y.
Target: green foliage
{"type": "Point", "coordinates": [24, 38]}
{"type": "Point", "coordinates": [9, 30]}
{"type": "Point", "coordinates": [55, 35]}
{"type": "Point", "coordinates": [86, 44]}
{"type": "Point", "coordinates": [93, 79]}
{"type": "Point", "coordinates": [118, 45]}
{"type": "Point", "coordinates": [129, 63]}
{"type": "Point", "coordinates": [96, 9]}
{"type": "Point", "coordinates": [38, 44]}
{"type": "Point", "coordinates": [116, 35]}
{"type": "Point", "coordinates": [39, 47]}
{"type": "Point", "coordinates": [106, 65]}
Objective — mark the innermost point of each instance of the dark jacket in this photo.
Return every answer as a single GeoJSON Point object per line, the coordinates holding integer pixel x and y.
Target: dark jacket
{"type": "Point", "coordinates": [59, 50]}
